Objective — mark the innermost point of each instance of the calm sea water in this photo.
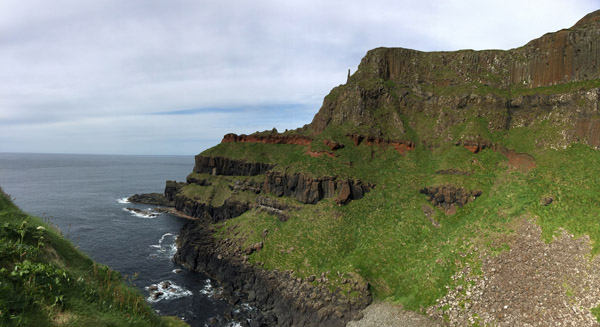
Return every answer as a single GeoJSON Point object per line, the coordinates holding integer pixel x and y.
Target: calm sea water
{"type": "Point", "coordinates": [81, 195]}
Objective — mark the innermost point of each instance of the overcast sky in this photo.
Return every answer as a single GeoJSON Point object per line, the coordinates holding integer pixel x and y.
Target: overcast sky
{"type": "Point", "coordinates": [173, 76]}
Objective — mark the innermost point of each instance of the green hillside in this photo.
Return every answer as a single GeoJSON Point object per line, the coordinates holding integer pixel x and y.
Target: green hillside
{"type": "Point", "coordinates": [46, 281]}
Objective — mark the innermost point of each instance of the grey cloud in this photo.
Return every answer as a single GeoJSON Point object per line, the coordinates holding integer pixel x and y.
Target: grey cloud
{"type": "Point", "coordinates": [72, 63]}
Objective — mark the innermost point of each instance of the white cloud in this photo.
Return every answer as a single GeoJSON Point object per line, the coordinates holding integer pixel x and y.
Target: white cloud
{"type": "Point", "coordinates": [74, 71]}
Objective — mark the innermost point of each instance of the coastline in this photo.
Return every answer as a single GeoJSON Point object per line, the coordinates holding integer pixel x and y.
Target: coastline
{"type": "Point", "coordinates": [281, 298]}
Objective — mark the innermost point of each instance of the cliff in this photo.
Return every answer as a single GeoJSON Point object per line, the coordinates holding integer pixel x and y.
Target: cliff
{"type": "Point", "coordinates": [416, 182]}
{"type": "Point", "coordinates": [396, 89]}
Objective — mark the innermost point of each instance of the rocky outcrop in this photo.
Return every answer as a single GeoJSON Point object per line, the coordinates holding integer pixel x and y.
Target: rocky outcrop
{"type": "Point", "coordinates": [448, 197]}
{"type": "Point", "coordinates": [228, 166]}
{"type": "Point", "coordinates": [282, 298]}
{"type": "Point", "coordinates": [333, 145]}
{"type": "Point", "coordinates": [171, 189]}
{"type": "Point", "coordinates": [156, 199]}
{"type": "Point", "coordinates": [275, 208]}
{"type": "Point", "coordinates": [400, 146]}
{"type": "Point", "coordinates": [246, 185]}
{"type": "Point", "coordinates": [267, 139]}
{"type": "Point", "coordinates": [229, 209]}
{"type": "Point", "coordinates": [396, 89]}
{"type": "Point", "coordinates": [311, 190]}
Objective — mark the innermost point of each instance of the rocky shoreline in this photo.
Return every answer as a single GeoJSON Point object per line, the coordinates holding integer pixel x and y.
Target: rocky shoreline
{"type": "Point", "coordinates": [277, 298]}
{"type": "Point", "coordinates": [281, 298]}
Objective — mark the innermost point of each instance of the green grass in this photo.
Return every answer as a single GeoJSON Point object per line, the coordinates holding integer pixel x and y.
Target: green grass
{"type": "Point", "coordinates": [46, 281]}
{"type": "Point", "coordinates": [386, 239]}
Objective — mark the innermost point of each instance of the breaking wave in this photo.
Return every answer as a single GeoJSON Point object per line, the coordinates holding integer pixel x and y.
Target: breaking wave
{"type": "Point", "coordinates": [166, 290]}
{"type": "Point", "coordinates": [166, 247]}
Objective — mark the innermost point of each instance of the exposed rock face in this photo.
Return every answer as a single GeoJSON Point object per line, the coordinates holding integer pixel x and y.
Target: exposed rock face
{"type": "Point", "coordinates": [156, 199]}
{"type": "Point", "coordinates": [171, 189]}
{"type": "Point", "coordinates": [311, 190]}
{"type": "Point", "coordinates": [282, 299]}
{"type": "Point", "coordinates": [273, 207]}
{"type": "Point", "coordinates": [396, 86]}
{"type": "Point", "coordinates": [400, 146]}
{"type": "Point", "coordinates": [268, 139]}
{"type": "Point", "coordinates": [333, 145]}
{"type": "Point", "coordinates": [192, 208]}
{"type": "Point", "coordinates": [448, 196]}
{"type": "Point", "coordinates": [227, 166]}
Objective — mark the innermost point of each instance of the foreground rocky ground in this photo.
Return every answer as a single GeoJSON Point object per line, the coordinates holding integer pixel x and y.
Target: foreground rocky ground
{"type": "Point", "coordinates": [532, 284]}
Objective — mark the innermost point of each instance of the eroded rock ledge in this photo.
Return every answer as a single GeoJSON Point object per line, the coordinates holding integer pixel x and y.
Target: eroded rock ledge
{"type": "Point", "coordinates": [400, 146]}
{"type": "Point", "coordinates": [311, 190]}
{"type": "Point", "coordinates": [282, 299]}
{"type": "Point", "coordinates": [448, 197]}
{"type": "Point", "coordinates": [228, 166]}
{"type": "Point", "coordinates": [267, 139]}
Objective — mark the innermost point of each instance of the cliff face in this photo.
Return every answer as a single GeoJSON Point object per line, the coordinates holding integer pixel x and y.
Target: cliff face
{"type": "Point", "coordinates": [394, 89]}
{"type": "Point", "coordinates": [433, 156]}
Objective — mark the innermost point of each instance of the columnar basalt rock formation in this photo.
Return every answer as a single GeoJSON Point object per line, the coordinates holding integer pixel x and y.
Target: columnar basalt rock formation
{"type": "Point", "coordinates": [227, 166]}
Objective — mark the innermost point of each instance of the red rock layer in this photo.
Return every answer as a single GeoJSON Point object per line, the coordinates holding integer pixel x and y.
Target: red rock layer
{"type": "Point", "coordinates": [267, 139]}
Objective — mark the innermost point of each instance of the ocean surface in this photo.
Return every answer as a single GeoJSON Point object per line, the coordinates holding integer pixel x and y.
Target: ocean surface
{"type": "Point", "coordinates": [84, 195]}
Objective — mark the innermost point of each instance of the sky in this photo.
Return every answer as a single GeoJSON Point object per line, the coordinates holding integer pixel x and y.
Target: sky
{"type": "Point", "coordinates": [173, 76]}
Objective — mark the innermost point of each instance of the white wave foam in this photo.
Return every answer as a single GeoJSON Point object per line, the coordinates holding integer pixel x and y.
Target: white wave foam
{"type": "Point", "coordinates": [166, 290]}
{"type": "Point", "coordinates": [166, 247]}
{"type": "Point", "coordinates": [209, 290]}
{"type": "Point", "coordinates": [123, 200]}
{"type": "Point", "coordinates": [146, 214]}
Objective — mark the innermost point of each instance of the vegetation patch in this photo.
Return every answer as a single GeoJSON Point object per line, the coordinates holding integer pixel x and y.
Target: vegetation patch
{"type": "Point", "coordinates": [45, 281]}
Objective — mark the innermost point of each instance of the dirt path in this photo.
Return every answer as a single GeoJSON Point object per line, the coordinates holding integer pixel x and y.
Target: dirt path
{"type": "Point", "coordinates": [389, 315]}
{"type": "Point", "coordinates": [532, 284]}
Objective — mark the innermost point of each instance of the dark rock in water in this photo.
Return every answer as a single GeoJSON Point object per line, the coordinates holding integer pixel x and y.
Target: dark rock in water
{"type": "Point", "coordinates": [152, 199]}
{"type": "Point", "coordinates": [279, 296]}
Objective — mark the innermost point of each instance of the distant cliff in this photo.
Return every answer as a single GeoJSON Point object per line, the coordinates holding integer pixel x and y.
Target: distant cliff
{"type": "Point", "coordinates": [394, 90]}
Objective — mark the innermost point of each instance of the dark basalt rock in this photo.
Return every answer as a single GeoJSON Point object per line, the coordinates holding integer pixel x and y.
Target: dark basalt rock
{"type": "Point", "coordinates": [229, 209]}
{"type": "Point", "coordinates": [311, 190]}
{"type": "Point", "coordinates": [447, 196]}
{"type": "Point", "coordinates": [156, 199]}
{"type": "Point", "coordinates": [230, 167]}
{"type": "Point", "coordinates": [282, 299]}
{"type": "Point", "coordinates": [171, 189]}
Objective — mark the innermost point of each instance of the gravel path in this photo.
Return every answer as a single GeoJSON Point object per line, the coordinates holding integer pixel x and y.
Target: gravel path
{"type": "Point", "coordinates": [389, 315]}
{"type": "Point", "coordinates": [532, 284]}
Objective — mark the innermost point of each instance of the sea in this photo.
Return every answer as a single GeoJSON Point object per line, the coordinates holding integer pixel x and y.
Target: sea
{"type": "Point", "coordinates": [85, 196]}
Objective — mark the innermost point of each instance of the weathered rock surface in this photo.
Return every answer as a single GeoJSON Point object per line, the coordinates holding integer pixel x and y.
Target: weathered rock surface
{"type": "Point", "coordinates": [311, 190]}
{"type": "Point", "coordinates": [268, 139]}
{"type": "Point", "coordinates": [227, 210]}
{"type": "Point", "coordinates": [157, 199]}
{"type": "Point", "coordinates": [228, 166]}
{"type": "Point", "coordinates": [171, 189]}
{"type": "Point", "coordinates": [282, 299]}
{"type": "Point", "coordinates": [448, 196]}
{"type": "Point", "coordinates": [400, 146]}
{"type": "Point", "coordinates": [395, 86]}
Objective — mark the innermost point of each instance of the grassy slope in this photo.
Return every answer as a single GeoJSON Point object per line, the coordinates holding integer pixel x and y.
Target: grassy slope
{"type": "Point", "coordinates": [46, 281]}
{"type": "Point", "coordinates": [387, 239]}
